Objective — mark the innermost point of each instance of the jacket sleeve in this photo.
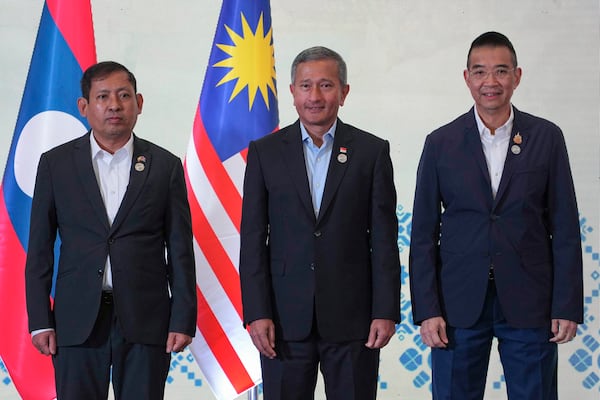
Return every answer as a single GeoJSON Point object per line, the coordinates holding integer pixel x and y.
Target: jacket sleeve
{"type": "Point", "coordinates": [180, 251]}
{"type": "Point", "coordinates": [39, 266]}
{"type": "Point", "coordinates": [424, 242]}
{"type": "Point", "coordinates": [384, 245]}
{"type": "Point", "coordinates": [567, 296]}
{"type": "Point", "coordinates": [254, 251]}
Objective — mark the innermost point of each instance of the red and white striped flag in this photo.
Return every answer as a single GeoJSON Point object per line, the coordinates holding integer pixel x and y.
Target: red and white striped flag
{"type": "Point", "coordinates": [238, 103]}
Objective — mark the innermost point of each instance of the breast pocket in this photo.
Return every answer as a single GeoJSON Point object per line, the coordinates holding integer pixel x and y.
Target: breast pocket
{"type": "Point", "coordinates": [532, 182]}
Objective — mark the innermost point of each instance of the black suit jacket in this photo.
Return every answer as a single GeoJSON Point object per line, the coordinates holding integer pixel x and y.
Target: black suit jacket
{"type": "Point", "coordinates": [149, 243]}
{"type": "Point", "coordinates": [341, 269]}
{"type": "Point", "coordinates": [529, 232]}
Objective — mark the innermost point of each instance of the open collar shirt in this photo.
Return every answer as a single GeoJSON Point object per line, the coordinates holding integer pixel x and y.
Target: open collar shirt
{"type": "Point", "coordinates": [495, 147]}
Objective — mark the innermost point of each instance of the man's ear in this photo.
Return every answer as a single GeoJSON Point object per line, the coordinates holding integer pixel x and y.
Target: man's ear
{"type": "Point", "coordinates": [140, 102]}
{"type": "Point", "coordinates": [82, 105]}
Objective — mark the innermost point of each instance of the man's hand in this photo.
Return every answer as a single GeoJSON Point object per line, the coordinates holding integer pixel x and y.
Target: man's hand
{"type": "Point", "coordinates": [176, 342]}
{"type": "Point", "coordinates": [262, 332]}
{"type": "Point", "coordinates": [380, 333]}
{"type": "Point", "coordinates": [433, 332]}
{"type": "Point", "coordinates": [45, 342]}
{"type": "Point", "coordinates": [564, 330]}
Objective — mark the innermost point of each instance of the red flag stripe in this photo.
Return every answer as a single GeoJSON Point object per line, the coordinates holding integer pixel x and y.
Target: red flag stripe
{"type": "Point", "coordinates": [213, 250]}
{"type": "Point", "coordinates": [244, 154]}
{"type": "Point", "coordinates": [74, 20]}
{"type": "Point", "coordinates": [220, 346]}
{"type": "Point", "coordinates": [207, 199]}
{"type": "Point", "coordinates": [217, 175]}
{"type": "Point", "coordinates": [229, 321]}
{"type": "Point", "coordinates": [25, 364]}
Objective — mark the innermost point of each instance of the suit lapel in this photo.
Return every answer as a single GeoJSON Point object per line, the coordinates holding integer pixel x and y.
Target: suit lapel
{"type": "Point", "coordinates": [516, 150]}
{"type": "Point", "coordinates": [342, 144]}
{"type": "Point", "coordinates": [473, 141]}
{"type": "Point", "coordinates": [87, 177]}
{"type": "Point", "coordinates": [140, 167]}
{"type": "Point", "coordinates": [293, 157]}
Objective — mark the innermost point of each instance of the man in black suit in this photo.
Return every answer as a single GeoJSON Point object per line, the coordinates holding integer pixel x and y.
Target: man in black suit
{"type": "Point", "coordinates": [125, 280]}
{"type": "Point", "coordinates": [495, 246]}
{"type": "Point", "coordinates": [319, 265]}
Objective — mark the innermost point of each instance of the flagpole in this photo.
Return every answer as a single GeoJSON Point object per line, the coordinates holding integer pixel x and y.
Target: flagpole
{"type": "Point", "coordinates": [253, 393]}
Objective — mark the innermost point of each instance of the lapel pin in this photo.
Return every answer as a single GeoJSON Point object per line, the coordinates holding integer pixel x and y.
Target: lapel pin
{"type": "Point", "coordinates": [515, 149]}
{"type": "Point", "coordinates": [342, 157]}
{"type": "Point", "coordinates": [140, 164]}
{"type": "Point", "coordinates": [518, 139]}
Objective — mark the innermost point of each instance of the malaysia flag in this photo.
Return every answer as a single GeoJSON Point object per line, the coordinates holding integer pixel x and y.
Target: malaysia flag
{"type": "Point", "coordinates": [48, 116]}
{"type": "Point", "coordinates": [238, 103]}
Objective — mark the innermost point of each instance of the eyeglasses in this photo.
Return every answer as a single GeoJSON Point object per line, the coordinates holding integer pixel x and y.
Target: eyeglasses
{"type": "Point", "coordinates": [499, 73]}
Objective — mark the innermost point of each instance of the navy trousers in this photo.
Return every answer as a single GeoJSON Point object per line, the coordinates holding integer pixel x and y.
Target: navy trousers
{"type": "Point", "coordinates": [528, 358]}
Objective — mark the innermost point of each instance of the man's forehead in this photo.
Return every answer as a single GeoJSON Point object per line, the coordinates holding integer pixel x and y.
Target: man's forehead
{"type": "Point", "coordinates": [99, 80]}
{"type": "Point", "coordinates": [487, 56]}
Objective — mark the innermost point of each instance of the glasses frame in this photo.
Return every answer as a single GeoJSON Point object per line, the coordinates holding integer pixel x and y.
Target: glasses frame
{"type": "Point", "coordinates": [499, 73]}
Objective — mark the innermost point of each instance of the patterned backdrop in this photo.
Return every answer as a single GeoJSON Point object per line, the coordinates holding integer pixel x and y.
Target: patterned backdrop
{"type": "Point", "coordinates": [405, 63]}
{"type": "Point", "coordinates": [405, 364]}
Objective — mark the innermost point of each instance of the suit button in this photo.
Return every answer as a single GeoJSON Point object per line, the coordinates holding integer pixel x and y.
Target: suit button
{"type": "Point", "coordinates": [111, 241]}
{"type": "Point", "coordinates": [100, 272]}
{"type": "Point", "coordinates": [494, 217]}
{"type": "Point", "coordinates": [312, 266]}
{"type": "Point", "coordinates": [317, 234]}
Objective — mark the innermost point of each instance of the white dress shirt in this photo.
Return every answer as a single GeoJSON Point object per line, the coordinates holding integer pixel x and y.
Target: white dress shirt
{"type": "Point", "coordinates": [112, 175]}
{"type": "Point", "coordinates": [495, 147]}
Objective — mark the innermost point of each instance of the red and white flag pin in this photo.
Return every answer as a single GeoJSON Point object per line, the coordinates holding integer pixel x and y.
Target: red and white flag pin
{"type": "Point", "coordinates": [342, 157]}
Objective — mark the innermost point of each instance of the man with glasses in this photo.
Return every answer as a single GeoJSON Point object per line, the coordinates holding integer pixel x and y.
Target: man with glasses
{"type": "Point", "coordinates": [495, 246]}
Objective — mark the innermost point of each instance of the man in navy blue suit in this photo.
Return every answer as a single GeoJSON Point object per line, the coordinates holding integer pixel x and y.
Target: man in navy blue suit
{"type": "Point", "coordinates": [495, 246]}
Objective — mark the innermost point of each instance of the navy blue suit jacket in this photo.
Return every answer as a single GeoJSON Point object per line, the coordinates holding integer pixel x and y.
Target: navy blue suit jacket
{"type": "Point", "coordinates": [529, 232]}
{"type": "Point", "coordinates": [341, 269]}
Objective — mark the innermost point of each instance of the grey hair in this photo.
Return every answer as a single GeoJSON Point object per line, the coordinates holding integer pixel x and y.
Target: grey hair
{"type": "Point", "coordinates": [321, 53]}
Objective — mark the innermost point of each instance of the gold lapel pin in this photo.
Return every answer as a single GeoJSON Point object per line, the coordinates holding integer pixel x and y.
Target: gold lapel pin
{"type": "Point", "coordinates": [518, 139]}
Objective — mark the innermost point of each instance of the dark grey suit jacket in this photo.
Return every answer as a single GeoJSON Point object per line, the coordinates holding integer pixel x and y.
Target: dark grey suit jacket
{"type": "Point", "coordinates": [341, 269]}
{"type": "Point", "coordinates": [149, 243]}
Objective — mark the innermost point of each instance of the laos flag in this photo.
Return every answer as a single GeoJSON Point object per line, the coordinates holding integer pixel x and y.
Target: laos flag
{"type": "Point", "coordinates": [48, 116]}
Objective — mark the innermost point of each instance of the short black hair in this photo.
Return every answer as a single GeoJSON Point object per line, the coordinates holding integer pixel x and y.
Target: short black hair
{"type": "Point", "coordinates": [101, 70]}
{"type": "Point", "coordinates": [318, 53]}
{"type": "Point", "coordinates": [492, 39]}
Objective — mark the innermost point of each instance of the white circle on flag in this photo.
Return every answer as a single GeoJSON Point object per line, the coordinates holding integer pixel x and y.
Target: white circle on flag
{"type": "Point", "coordinates": [42, 132]}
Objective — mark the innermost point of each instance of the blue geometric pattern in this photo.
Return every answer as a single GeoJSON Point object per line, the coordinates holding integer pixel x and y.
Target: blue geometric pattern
{"type": "Point", "coordinates": [415, 357]}
{"type": "Point", "coordinates": [585, 359]}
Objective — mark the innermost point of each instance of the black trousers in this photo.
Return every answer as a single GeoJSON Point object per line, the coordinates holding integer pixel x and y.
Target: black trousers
{"type": "Point", "coordinates": [138, 371]}
{"type": "Point", "coordinates": [349, 370]}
